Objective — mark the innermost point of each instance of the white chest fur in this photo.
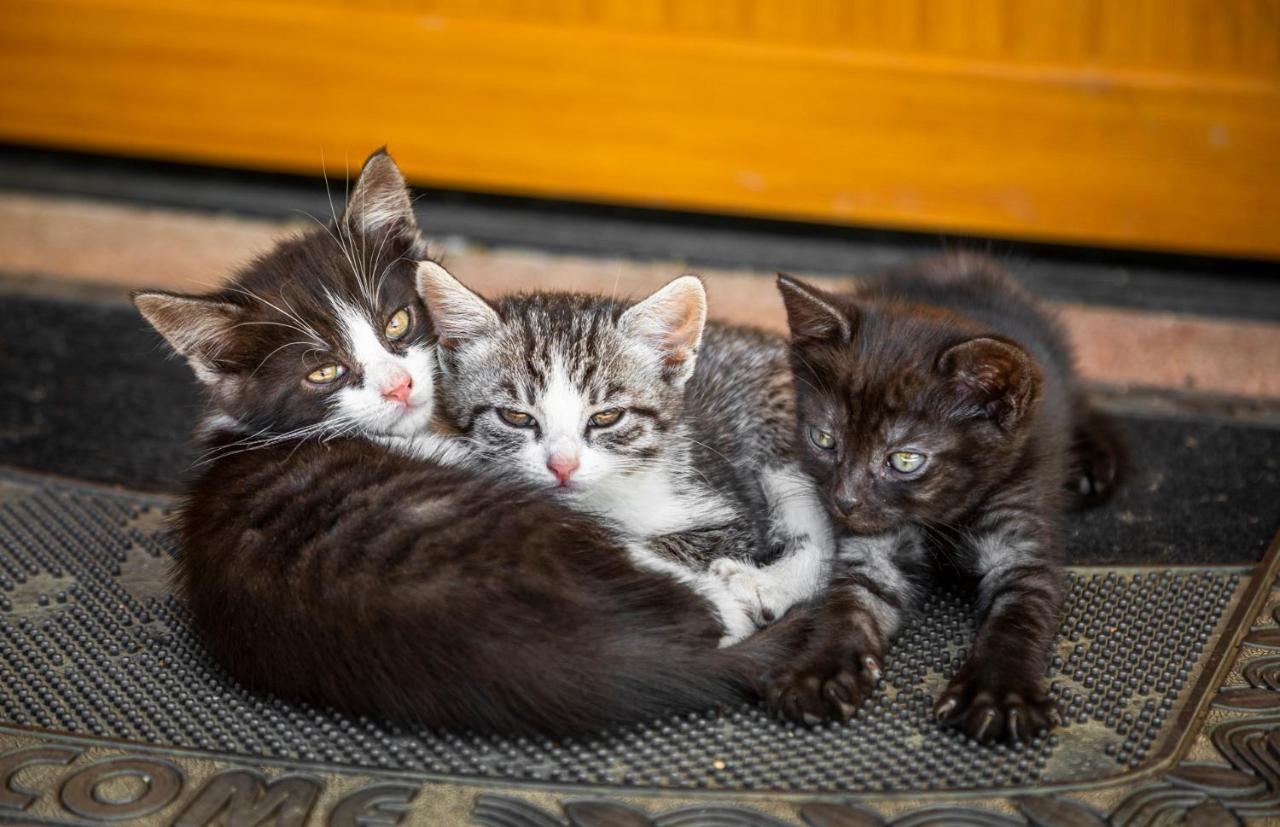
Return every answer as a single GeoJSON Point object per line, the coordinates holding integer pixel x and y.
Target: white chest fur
{"type": "Point", "coordinates": [654, 503]}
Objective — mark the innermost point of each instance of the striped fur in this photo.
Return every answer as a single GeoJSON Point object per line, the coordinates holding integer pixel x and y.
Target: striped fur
{"type": "Point", "coordinates": [699, 464]}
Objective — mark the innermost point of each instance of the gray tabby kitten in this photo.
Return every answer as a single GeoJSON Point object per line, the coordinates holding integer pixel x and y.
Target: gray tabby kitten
{"type": "Point", "coordinates": [679, 433]}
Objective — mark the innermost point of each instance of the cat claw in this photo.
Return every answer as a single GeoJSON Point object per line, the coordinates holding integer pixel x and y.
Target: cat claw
{"type": "Point", "coordinates": [1015, 731]}
{"type": "Point", "coordinates": [993, 705]}
{"type": "Point", "coordinates": [838, 697]}
{"type": "Point", "coordinates": [823, 685]}
{"type": "Point", "coordinates": [873, 668]}
{"type": "Point", "coordinates": [987, 718]}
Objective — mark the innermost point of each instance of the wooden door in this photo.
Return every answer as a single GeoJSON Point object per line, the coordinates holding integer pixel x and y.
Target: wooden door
{"type": "Point", "coordinates": [1143, 123]}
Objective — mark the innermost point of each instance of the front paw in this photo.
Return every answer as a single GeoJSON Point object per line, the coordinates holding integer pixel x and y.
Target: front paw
{"type": "Point", "coordinates": [993, 704]}
{"type": "Point", "coordinates": [826, 684]}
{"type": "Point", "coordinates": [749, 586]}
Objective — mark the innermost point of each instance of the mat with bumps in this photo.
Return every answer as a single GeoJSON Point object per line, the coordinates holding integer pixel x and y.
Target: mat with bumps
{"type": "Point", "coordinates": [1169, 680]}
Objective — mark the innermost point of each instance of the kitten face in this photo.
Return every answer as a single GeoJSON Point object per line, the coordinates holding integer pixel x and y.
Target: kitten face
{"type": "Point", "coordinates": [905, 416]}
{"type": "Point", "coordinates": [880, 465]}
{"type": "Point", "coordinates": [576, 392]}
{"type": "Point", "coordinates": [325, 334]}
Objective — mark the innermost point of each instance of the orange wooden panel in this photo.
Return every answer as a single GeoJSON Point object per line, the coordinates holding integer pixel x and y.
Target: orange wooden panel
{"type": "Point", "coordinates": [953, 125]}
{"type": "Point", "coordinates": [1216, 36]}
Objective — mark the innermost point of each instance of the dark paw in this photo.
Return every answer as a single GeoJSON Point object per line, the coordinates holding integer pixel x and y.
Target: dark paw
{"type": "Point", "coordinates": [990, 707]}
{"type": "Point", "coordinates": [1095, 480]}
{"type": "Point", "coordinates": [826, 686]}
{"type": "Point", "coordinates": [1097, 463]}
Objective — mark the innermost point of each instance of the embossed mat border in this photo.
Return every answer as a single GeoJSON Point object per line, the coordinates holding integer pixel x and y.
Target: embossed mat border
{"type": "Point", "coordinates": [1224, 768]}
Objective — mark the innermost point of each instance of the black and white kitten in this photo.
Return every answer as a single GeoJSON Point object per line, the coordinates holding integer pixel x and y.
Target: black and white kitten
{"type": "Point", "coordinates": [679, 433]}
{"type": "Point", "coordinates": [321, 565]}
{"type": "Point", "coordinates": [323, 336]}
{"type": "Point", "coordinates": [944, 425]}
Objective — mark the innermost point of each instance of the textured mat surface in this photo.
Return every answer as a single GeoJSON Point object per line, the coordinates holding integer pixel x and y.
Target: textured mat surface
{"type": "Point", "coordinates": [96, 648]}
{"type": "Point", "coordinates": [87, 392]}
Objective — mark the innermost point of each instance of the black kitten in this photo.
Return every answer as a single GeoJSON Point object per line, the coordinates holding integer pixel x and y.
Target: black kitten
{"type": "Point", "coordinates": [944, 425]}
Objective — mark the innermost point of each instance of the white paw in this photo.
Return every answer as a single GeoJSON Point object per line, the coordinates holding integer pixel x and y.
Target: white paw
{"type": "Point", "coordinates": [737, 626]}
{"type": "Point", "coordinates": [750, 587]}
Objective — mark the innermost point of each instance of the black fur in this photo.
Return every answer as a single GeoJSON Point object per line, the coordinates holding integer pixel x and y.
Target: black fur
{"type": "Point", "coordinates": [951, 361]}
{"type": "Point", "coordinates": [347, 575]}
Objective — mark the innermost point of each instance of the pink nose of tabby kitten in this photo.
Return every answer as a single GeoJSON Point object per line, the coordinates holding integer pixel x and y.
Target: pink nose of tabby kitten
{"type": "Point", "coordinates": [563, 466]}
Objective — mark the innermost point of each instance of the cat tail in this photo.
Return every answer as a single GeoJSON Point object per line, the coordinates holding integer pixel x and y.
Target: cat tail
{"type": "Point", "coordinates": [664, 680]}
{"type": "Point", "coordinates": [645, 669]}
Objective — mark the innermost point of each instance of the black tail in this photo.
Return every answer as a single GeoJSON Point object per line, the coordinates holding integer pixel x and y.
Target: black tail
{"type": "Point", "coordinates": [647, 677]}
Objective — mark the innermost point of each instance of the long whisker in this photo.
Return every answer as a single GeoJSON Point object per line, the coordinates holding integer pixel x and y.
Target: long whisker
{"type": "Point", "coordinates": [688, 438]}
{"type": "Point", "coordinates": [263, 439]}
{"type": "Point", "coordinates": [273, 353]}
{"type": "Point", "coordinates": [382, 278]}
{"type": "Point", "coordinates": [816, 373]}
{"type": "Point", "coordinates": [304, 327]}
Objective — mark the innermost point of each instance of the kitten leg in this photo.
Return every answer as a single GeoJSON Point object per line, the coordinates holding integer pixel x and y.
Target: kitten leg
{"type": "Point", "coordinates": [855, 619]}
{"type": "Point", "coordinates": [800, 527]}
{"type": "Point", "coordinates": [999, 692]}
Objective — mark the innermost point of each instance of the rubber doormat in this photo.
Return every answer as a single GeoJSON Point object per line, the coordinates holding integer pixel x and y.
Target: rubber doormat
{"type": "Point", "coordinates": [111, 712]}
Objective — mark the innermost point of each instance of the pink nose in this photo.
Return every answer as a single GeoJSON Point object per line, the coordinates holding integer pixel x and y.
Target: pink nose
{"type": "Point", "coordinates": [563, 467]}
{"type": "Point", "coordinates": [399, 391]}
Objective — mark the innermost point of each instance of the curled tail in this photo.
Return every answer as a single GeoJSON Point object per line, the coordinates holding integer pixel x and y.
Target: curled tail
{"type": "Point", "coordinates": [644, 680]}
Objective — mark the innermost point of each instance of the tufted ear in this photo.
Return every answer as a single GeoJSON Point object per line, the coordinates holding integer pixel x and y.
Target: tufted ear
{"type": "Point", "coordinates": [380, 198]}
{"type": "Point", "coordinates": [195, 327]}
{"type": "Point", "coordinates": [671, 322]}
{"type": "Point", "coordinates": [994, 378]}
{"type": "Point", "coordinates": [813, 314]}
{"type": "Point", "coordinates": [458, 313]}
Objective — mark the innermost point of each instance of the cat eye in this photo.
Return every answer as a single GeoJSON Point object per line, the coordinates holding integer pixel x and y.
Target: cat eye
{"type": "Point", "coordinates": [823, 439]}
{"type": "Point", "coordinates": [516, 419]}
{"type": "Point", "coordinates": [904, 462]}
{"type": "Point", "coordinates": [326, 374]}
{"type": "Point", "coordinates": [398, 324]}
{"type": "Point", "coordinates": [604, 419]}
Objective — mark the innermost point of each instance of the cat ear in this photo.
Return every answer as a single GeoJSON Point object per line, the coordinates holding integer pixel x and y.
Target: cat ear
{"type": "Point", "coordinates": [197, 328]}
{"type": "Point", "coordinates": [994, 376]}
{"type": "Point", "coordinates": [813, 313]}
{"type": "Point", "coordinates": [457, 313]}
{"type": "Point", "coordinates": [671, 322]}
{"type": "Point", "coordinates": [380, 198]}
